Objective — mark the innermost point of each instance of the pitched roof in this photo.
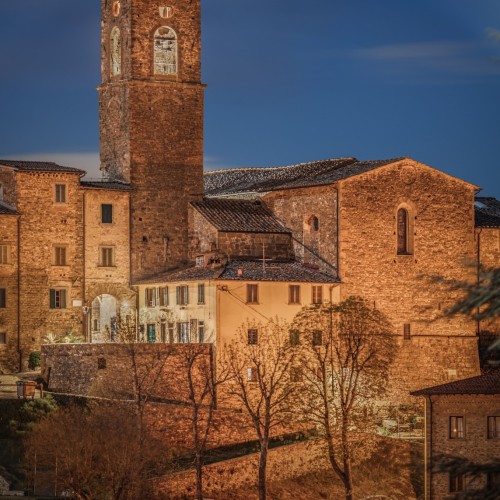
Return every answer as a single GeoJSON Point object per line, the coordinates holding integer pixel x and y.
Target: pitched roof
{"type": "Point", "coordinates": [39, 166]}
{"type": "Point", "coordinates": [489, 383]}
{"type": "Point", "coordinates": [242, 216]}
{"type": "Point", "coordinates": [487, 212]}
{"type": "Point", "coordinates": [105, 184]}
{"type": "Point", "coordinates": [6, 209]}
{"type": "Point", "coordinates": [284, 271]}
{"type": "Point", "coordinates": [317, 173]}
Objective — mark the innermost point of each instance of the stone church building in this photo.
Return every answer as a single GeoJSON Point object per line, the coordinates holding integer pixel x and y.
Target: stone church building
{"type": "Point", "coordinates": [190, 256]}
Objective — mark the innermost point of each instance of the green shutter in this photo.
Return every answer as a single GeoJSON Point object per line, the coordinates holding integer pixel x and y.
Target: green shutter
{"type": "Point", "coordinates": [52, 298]}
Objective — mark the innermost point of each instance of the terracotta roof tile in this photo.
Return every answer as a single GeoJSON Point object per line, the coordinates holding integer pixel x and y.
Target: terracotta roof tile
{"type": "Point", "coordinates": [104, 184]}
{"type": "Point", "coordinates": [489, 383]}
{"type": "Point", "coordinates": [258, 180]}
{"type": "Point", "coordinates": [286, 271]}
{"type": "Point", "coordinates": [39, 166]}
{"type": "Point", "coordinates": [487, 212]}
{"type": "Point", "coordinates": [245, 216]}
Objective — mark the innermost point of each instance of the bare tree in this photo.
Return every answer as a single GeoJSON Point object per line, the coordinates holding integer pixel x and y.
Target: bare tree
{"type": "Point", "coordinates": [92, 452]}
{"type": "Point", "coordinates": [259, 363]}
{"type": "Point", "coordinates": [198, 372]}
{"type": "Point", "coordinates": [346, 352]}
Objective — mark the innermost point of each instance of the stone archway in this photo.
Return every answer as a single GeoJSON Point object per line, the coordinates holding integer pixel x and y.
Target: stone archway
{"type": "Point", "coordinates": [104, 317]}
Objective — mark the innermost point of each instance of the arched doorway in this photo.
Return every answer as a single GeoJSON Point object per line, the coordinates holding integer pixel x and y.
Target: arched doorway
{"type": "Point", "coordinates": [104, 318]}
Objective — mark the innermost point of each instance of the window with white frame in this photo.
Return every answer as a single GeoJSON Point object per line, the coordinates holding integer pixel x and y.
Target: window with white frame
{"type": "Point", "coordinates": [60, 193]}
{"type": "Point", "coordinates": [60, 254]}
{"type": "Point", "coordinates": [106, 256]}
{"type": "Point", "coordinates": [182, 295]}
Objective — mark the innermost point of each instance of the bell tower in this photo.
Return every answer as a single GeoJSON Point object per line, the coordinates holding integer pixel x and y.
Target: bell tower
{"type": "Point", "coordinates": [151, 121]}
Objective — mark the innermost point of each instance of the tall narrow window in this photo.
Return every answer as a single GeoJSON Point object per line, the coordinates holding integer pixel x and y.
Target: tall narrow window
{"type": "Point", "coordinates": [252, 294]}
{"type": "Point", "coordinates": [150, 297]}
{"type": "Point", "coordinates": [182, 295]}
{"type": "Point", "coordinates": [317, 338]}
{"type": "Point", "coordinates": [4, 254]}
{"type": "Point", "coordinates": [201, 293]}
{"type": "Point", "coordinates": [107, 257]}
{"type": "Point", "coordinates": [165, 44]}
{"type": "Point", "coordinates": [494, 427]}
{"type": "Point", "coordinates": [407, 331]}
{"type": "Point", "coordinates": [253, 336]}
{"type": "Point", "coordinates": [457, 482]}
{"type": "Point", "coordinates": [457, 429]}
{"type": "Point", "coordinates": [163, 292]}
{"type": "Point", "coordinates": [402, 232]}
{"type": "Point", "coordinates": [58, 298]}
{"type": "Point", "coordinates": [294, 337]}
{"type": "Point", "coordinates": [317, 294]}
{"type": "Point", "coordinates": [60, 193]}
{"type": "Point", "coordinates": [60, 255]}
{"type": "Point", "coordinates": [183, 332]}
{"type": "Point", "coordinates": [3, 298]}
{"type": "Point", "coordinates": [115, 52]}
{"type": "Point", "coordinates": [294, 294]}
{"type": "Point", "coordinates": [3, 338]}
{"type": "Point", "coordinates": [201, 332]}
{"type": "Point", "coordinates": [106, 213]}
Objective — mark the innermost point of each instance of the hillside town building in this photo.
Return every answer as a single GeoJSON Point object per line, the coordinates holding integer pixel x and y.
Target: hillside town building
{"type": "Point", "coordinates": [190, 256]}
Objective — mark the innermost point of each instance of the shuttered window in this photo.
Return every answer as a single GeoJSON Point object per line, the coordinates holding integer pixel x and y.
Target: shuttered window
{"type": "Point", "coordinates": [106, 213]}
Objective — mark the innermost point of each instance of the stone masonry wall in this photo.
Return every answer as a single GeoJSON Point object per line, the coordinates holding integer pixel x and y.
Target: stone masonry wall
{"type": "Point", "coordinates": [475, 446]}
{"type": "Point", "coordinates": [296, 207]}
{"type": "Point", "coordinates": [441, 212]}
{"type": "Point", "coordinates": [44, 224]}
{"type": "Point", "coordinates": [8, 280]}
{"type": "Point", "coordinates": [8, 183]}
{"type": "Point", "coordinates": [107, 280]}
{"type": "Point", "coordinates": [203, 236]}
{"type": "Point", "coordinates": [152, 129]}
{"type": "Point", "coordinates": [276, 246]}
{"type": "Point", "coordinates": [489, 246]}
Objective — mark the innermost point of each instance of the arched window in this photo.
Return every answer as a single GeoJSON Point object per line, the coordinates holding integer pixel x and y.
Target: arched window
{"type": "Point", "coordinates": [115, 44]}
{"type": "Point", "coordinates": [165, 44]}
{"type": "Point", "coordinates": [314, 223]}
{"type": "Point", "coordinates": [402, 232]}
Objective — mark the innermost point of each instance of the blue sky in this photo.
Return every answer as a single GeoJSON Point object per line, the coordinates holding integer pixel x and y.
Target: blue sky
{"type": "Point", "coordinates": [288, 81]}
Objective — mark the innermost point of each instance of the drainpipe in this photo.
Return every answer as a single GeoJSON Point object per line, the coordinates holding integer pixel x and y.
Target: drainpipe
{"type": "Point", "coordinates": [478, 267]}
{"type": "Point", "coordinates": [428, 452]}
{"type": "Point", "coordinates": [19, 294]}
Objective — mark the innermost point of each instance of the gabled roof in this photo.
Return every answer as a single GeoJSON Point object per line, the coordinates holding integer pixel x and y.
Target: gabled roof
{"type": "Point", "coordinates": [6, 209]}
{"type": "Point", "coordinates": [489, 383]}
{"type": "Point", "coordinates": [260, 180]}
{"type": "Point", "coordinates": [241, 216]}
{"type": "Point", "coordinates": [39, 166]}
{"type": "Point", "coordinates": [487, 211]}
{"type": "Point", "coordinates": [251, 270]}
{"type": "Point", "coordinates": [105, 184]}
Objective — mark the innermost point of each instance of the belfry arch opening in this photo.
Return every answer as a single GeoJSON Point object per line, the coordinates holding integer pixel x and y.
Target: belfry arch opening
{"type": "Point", "coordinates": [165, 51]}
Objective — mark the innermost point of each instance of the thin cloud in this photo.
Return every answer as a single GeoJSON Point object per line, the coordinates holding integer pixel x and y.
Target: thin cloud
{"type": "Point", "coordinates": [426, 61]}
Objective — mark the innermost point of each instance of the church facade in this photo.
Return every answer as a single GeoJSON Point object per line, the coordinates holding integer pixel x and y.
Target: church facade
{"type": "Point", "coordinates": [174, 249]}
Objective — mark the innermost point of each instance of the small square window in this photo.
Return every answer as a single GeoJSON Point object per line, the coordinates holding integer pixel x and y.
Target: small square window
{"type": "Point", "coordinates": [200, 261]}
{"type": "Point", "coordinates": [252, 294]}
{"type": "Point", "coordinates": [317, 294]}
{"type": "Point", "coordinates": [101, 363]}
{"type": "Point", "coordinates": [107, 257]}
{"type": "Point", "coordinates": [253, 336]}
{"type": "Point", "coordinates": [252, 375]}
{"type": "Point", "coordinates": [294, 294]}
{"type": "Point", "coordinates": [457, 428]}
{"type": "Point", "coordinates": [494, 427]}
{"type": "Point", "coordinates": [317, 338]}
{"type": "Point", "coordinates": [60, 255]}
{"type": "Point", "coordinates": [60, 193]}
{"type": "Point", "coordinates": [3, 338]}
{"type": "Point", "coordinates": [58, 298]}
{"type": "Point", "coordinates": [201, 293]}
{"type": "Point", "coordinates": [3, 298]}
{"type": "Point", "coordinates": [106, 213]}
{"type": "Point", "coordinates": [4, 254]}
